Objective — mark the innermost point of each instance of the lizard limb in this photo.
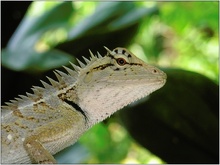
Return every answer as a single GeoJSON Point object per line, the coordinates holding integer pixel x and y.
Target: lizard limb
{"type": "Point", "coordinates": [40, 143]}
{"type": "Point", "coordinates": [37, 151]}
{"type": "Point", "coordinates": [37, 126]}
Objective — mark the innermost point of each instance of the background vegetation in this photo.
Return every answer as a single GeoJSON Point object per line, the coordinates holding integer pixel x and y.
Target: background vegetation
{"type": "Point", "coordinates": [177, 124]}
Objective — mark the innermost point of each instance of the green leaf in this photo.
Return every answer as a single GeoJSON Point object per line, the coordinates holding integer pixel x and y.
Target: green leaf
{"type": "Point", "coordinates": [20, 54]}
{"type": "Point", "coordinates": [98, 135]}
{"type": "Point", "coordinates": [96, 22]}
{"type": "Point", "coordinates": [31, 60]}
{"type": "Point", "coordinates": [132, 17]}
{"type": "Point", "coordinates": [100, 142]}
{"type": "Point", "coordinates": [32, 27]}
{"type": "Point", "coordinates": [117, 19]}
{"type": "Point", "coordinates": [116, 26]}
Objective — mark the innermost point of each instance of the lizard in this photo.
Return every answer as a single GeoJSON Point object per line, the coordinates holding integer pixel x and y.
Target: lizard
{"type": "Point", "coordinates": [36, 126]}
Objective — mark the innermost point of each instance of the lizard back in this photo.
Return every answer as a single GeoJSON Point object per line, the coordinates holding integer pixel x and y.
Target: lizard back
{"type": "Point", "coordinates": [55, 116]}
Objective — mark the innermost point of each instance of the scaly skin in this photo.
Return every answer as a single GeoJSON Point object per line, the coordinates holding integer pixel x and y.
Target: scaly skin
{"type": "Point", "coordinates": [36, 126]}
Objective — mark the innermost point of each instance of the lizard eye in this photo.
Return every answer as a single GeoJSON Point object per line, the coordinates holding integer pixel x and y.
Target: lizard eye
{"type": "Point", "coordinates": [121, 61]}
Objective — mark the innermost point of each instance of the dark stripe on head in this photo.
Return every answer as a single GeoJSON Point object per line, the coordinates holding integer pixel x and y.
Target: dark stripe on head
{"type": "Point", "coordinates": [116, 51]}
{"type": "Point", "coordinates": [104, 66]}
{"type": "Point", "coordinates": [111, 56]}
{"type": "Point", "coordinates": [123, 51]}
{"type": "Point", "coordinates": [101, 67]}
{"type": "Point", "coordinates": [117, 69]}
{"type": "Point", "coordinates": [135, 64]}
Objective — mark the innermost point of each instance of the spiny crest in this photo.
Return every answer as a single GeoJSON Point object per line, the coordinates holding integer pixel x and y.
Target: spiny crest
{"type": "Point", "coordinates": [118, 50]}
{"type": "Point", "coordinates": [108, 50]}
{"type": "Point", "coordinates": [63, 81]}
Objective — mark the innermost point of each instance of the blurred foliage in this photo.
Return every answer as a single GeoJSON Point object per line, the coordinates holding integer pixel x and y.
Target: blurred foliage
{"type": "Point", "coordinates": [186, 128]}
{"type": "Point", "coordinates": [21, 47]}
{"type": "Point", "coordinates": [183, 35]}
{"type": "Point", "coordinates": [169, 34]}
{"type": "Point", "coordinates": [46, 33]}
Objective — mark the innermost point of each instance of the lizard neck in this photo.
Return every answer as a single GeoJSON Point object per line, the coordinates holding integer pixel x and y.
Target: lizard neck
{"type": "Point", "coordinates": [101, 101]}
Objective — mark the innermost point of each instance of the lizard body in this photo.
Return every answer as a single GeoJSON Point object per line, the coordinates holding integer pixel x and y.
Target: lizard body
{"type": "Point", "coordinates": [36, 126]}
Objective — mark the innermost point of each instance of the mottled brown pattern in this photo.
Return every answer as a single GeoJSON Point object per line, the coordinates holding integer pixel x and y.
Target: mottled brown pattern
{"type": "Point", "coordinates": [7, 128]}
{"type": "Point", "coordinates": [18, 113]}
{"type": "Point", "coordinates": [42, 124]}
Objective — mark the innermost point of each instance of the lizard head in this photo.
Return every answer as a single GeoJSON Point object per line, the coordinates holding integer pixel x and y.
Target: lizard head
{"type": "Point", "coordinates": [109, 83]}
